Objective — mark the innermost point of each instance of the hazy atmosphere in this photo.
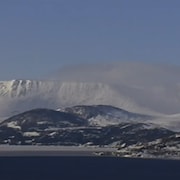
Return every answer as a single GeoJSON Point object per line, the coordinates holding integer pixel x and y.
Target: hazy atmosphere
{"type": "Point", "coordinates": [40, 36]}
{"type": "Point", "coordinates": [88, 78]}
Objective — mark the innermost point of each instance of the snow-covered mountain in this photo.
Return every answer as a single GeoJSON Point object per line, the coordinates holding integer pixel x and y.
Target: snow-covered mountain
{"type": "Point", "coordinates": [133, 134]}
{"type": "Point", "coordinates": [21, 95]}
{"type": "Point", "coordinates": [76, 126]}
{"type": "Point", "coordinates": [135, 87]}
{"type": "Point", "coordinates": [103, 115]}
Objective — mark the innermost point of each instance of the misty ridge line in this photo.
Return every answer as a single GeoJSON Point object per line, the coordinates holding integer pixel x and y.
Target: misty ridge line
{"type": "Point", "coordinates": [137, 87]}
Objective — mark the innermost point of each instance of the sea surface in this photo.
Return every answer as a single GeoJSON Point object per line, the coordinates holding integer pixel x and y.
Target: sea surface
{"type": "Point", "coordinates": [87, 168]}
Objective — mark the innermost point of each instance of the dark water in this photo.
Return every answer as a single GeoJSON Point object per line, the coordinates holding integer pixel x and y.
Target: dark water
{"type": "Point", "coordinates": [87, 168]}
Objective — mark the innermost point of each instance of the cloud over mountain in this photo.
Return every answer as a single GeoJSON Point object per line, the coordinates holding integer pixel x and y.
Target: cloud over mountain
{"type": "Point", "coordinates": [137, 87]}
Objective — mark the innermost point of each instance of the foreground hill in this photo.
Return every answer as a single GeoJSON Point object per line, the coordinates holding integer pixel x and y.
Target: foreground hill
{"type": "Point", "coordinates": [81, 126]}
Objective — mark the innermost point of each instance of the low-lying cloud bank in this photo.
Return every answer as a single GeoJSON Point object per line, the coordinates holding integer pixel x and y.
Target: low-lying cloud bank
{"type": "Point", "coordinates": [151, 86]}
{"type": "Point", "coordinates": [137, 87]}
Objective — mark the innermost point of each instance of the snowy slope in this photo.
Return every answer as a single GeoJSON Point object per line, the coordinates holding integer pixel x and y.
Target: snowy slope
{"type": "Point", "coordinates": [136, 87]}
{"type": "Point", "coordinates": [76, 127]}
{"type": "Point", "coordinates": [103, 115]}
{"type": "Point", "coordinates": [18, 96]}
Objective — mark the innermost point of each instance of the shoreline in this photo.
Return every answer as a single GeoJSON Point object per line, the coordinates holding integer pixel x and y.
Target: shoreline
{"type": "Point", "coordinates": [68, 151]}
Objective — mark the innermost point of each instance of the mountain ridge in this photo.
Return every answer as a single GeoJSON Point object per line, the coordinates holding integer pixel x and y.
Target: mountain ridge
{"type": "Point", "coordinates": [53, 94]}
{"type": "Point", "coordinates": [78, 119]}
{"type": "Point", "coordinates": [67, 127]}
{"type": "Point", "coordinates": [137, 87]}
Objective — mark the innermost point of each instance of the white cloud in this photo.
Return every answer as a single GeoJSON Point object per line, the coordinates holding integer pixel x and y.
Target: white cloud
{"type": "Point", "coordinates": [137, 87]}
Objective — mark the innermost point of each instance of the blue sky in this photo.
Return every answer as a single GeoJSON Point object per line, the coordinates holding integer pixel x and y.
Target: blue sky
{"type": "Point", "coordinates": [39, 36]}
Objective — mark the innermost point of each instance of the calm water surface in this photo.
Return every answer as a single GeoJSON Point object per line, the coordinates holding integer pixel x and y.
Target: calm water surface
{"type": "Point", "coordinates": [87, 168]}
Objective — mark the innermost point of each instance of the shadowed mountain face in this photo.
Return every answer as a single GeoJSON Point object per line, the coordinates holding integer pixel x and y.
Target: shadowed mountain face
{"type": "Point", "coordinates": [42, 118]}
{"type": "Point", "coordinates": [92, 126]}
{"type": "Point", "coordinates": [136, 87]}
{"type": "Point", "coordinates": [80, 125]}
